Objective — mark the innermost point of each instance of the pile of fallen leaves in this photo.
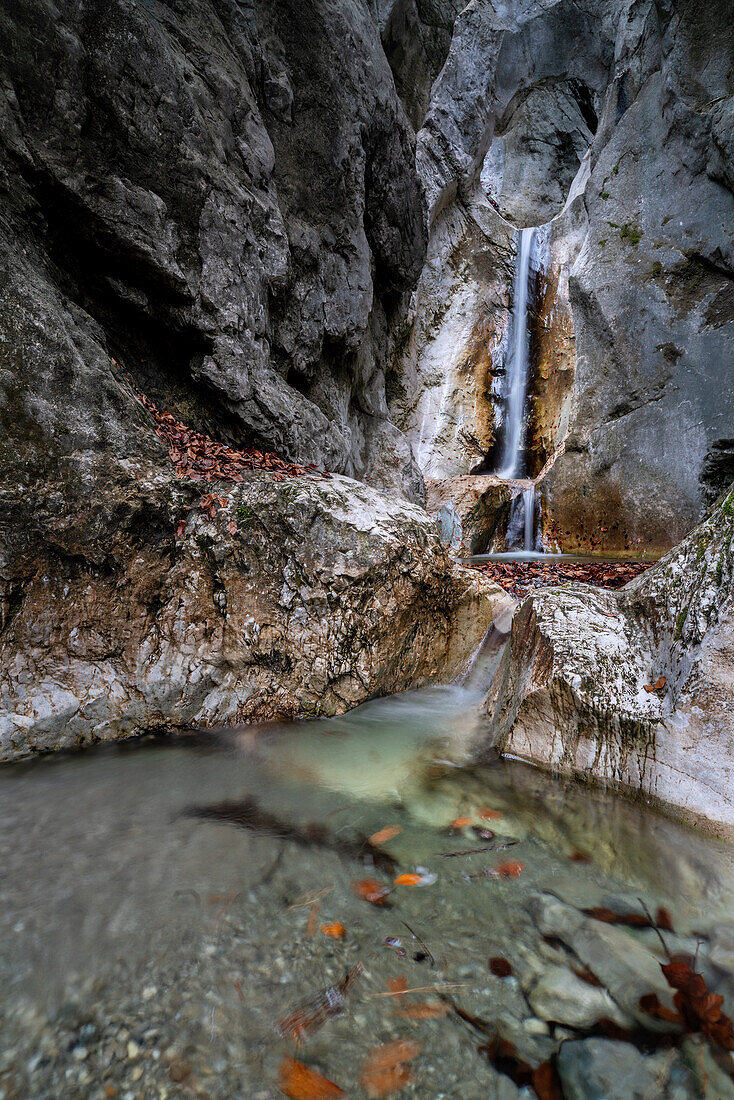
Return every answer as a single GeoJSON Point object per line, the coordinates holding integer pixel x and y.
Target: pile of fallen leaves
{"type": "Point", "coordinates": [519, 577]}
{"type": "Point", "coordinates": [200, 458]}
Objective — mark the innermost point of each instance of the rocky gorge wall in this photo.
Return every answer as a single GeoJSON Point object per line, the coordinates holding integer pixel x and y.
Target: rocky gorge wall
{"type": "Point", "coordinates": [293, 227]}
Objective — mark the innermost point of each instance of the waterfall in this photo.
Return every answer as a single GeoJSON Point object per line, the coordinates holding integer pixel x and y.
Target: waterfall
{"type": "Point", "coordinates": [518, 362]}
{"type": "Point", "coordinates": [528, 499]}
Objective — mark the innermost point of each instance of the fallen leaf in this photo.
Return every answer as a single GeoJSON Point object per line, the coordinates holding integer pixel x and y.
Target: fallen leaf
{"type": "Point", "coordinates": [663, 919]}
{"type": "Point", "coordinates": [579, 857]}
{"type": "Point", "coordinates": [384, 1070]}
{"type": "Point", "coordinates": [333, 928]}
{"type": "Point", "coordinates": [369, 889]}
{"type": "Point", "coordinates": [652, 1006]}
{"type": "Point", "coordinates": [383, 835]}
{"type": "Point", "coordinates": [410, 878]}
{"type": "Point", "coordinates": [500, 967]}
{"type": "Point", "coordinates": [608, 916]}
{"type": "Point", "coordinates": [398, 985]}
{"type": "Point", "coordinates": [546, 1082]}
{"type": "Point", "coordinates": [232, 527]}
{"type": "Point", "coordinates": [312, 919]}
{"type": "Point", "coordinates": [461, 822]}
{"type": "Point", "coordinates": [657, 686]}
{"type": "Point", "coordinates": [489, 815]}
{"type": "Point", "coordinates": [299, 1082]}
{"type": "Point", "coordinates": [422, 1010]}
{"type": "Point", "coordinates": [181, 528]}
{"type": "Point", "coordinates": [511, 869]}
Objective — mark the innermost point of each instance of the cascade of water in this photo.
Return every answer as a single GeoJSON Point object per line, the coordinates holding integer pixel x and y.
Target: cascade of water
{"type": "Point", "coordinates": [518, 361]}
{"type": "Point", "coordinates": [528, 499]}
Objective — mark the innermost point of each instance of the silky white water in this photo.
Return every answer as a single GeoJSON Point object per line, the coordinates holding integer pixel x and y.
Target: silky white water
{"type": "Point", "coordinates": [518, 361]}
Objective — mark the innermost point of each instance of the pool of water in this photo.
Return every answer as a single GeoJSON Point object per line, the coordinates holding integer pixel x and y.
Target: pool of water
{"type": "Point", "coordinates": [548, 558]}
{"type": "Point", "coordinates": [161, 905]}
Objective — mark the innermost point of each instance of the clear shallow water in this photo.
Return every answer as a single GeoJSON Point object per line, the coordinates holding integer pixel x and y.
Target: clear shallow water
{"type": "Point", "coordinates": [536, 555]}
{"type": "Point", "coordinates": [155, 902]}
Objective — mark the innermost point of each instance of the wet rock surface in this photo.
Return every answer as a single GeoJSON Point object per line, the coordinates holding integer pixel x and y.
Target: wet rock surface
{"type": "Point", "coordinates": [632, 688]}
{"type": "Point", "coordinates": [265, 599]}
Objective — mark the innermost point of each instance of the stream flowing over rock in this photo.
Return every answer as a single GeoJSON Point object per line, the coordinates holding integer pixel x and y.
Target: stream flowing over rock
{"type": "Point", "coordinates": [634, 688]}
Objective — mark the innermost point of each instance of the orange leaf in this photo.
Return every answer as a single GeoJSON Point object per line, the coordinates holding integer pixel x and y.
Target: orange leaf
{"type": "Point", "coordinates": [398, 985]}
{"type": "Point", "coordinates": [300, 1082]}
{"type": "Point", "coordinates": [422, 1010]}
{"type": "Point", "coordinates": [383, 835]}
{"type": "Point", "coordinates": [461, 822]}
{"type": "Point", "coordinates": [489, 815]}
{"type": "Point", "coordinates": [384, 1071]}
{"type": "Point", "coordinates": [409, 879]}
{"type": "Point", "coordinates": [511, 869]}
{"type": "Point", "coordinates": [657, 686]}
{"type": "Point", "coordinates": [312, 918]}
{"type": "Point", "coordinates": [369, 889]}
{"type": "Point", "coordinates": [334, 928]}
{"type": "Point", "coordinates": [650, 1004]}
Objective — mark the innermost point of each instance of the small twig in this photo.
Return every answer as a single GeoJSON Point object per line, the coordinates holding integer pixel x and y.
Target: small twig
{"type": "Point", "coordinates": [423, 943]}
{"type": "Point", "coordinates": [655, 928]}
{"type": "Point", "coordinates": [421, 989]}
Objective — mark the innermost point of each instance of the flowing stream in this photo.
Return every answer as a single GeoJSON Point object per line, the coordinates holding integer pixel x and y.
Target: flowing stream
{"type": "Point", "coordinates": [161, 905]}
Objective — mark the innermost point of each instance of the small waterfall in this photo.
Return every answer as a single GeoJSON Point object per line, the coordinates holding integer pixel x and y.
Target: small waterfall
{"type": "Point", "coordinates": [528, 499]}
{"type": "Point", "coordinates": [518, 362]}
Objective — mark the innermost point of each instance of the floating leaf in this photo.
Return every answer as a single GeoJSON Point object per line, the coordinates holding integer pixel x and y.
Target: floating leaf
{"type": "Point", "coordinates": [489, 815]}
{"type": "Point", "coordinates": [409, 879]}
{"type": "Point", "coordinates": [461, 822]}
{"type": "Point", "coordinates": [299, 1082]}
{"type": "Point", "coordinates": [333, 928]}
{"type": "Point", "coordinates": [398, 985]}
{"type": "Point", "coordinates": [369, 889]}
{"type": "Point", "coordinates": [383, 835]}
{"type": "Point", "coordinates": [511, 869]}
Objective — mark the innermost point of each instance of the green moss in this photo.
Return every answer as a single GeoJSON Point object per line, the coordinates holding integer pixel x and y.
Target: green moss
{"type": "Point", "coordinates": [631, 233]}
{"type": "Point", "coordinates": [603, 242]}
{"type": "Point", "coordinates": [245, 513]}
{"type": "Point", "coordinates": [657, 268]}
{"type": "Point", "coordinates": [727, 508]}
{"type": "Point", "coordinates": [615, 170]}
{"type": "Point", "coordinates": [680, 622]}
{"type": "Point", "coordinates": [605, 194]}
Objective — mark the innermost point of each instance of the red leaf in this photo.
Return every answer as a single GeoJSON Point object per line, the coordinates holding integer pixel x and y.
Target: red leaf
{"type": "Point", "coordinates": [511, 869]}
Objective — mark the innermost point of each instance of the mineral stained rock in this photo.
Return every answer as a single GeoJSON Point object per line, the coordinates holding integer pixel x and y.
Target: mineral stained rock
{"type": "Point", "coordinates": [632, 688]}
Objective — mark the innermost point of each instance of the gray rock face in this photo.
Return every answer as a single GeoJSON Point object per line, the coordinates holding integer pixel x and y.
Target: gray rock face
{"type": "Point", "coordinates": [614, 120]}
{"type": "Point", "coordinates": [633, 688]}
{"type": "Point", "coordinates": [224, 198]}
{"type": "Point", "coordinates": [298, 598]}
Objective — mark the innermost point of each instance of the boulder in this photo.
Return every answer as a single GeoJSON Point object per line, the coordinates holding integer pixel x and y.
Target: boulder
{"type": "Point", "coordinates": [632, 688]}
{"type": "Point", "coordinates": [295, 598]}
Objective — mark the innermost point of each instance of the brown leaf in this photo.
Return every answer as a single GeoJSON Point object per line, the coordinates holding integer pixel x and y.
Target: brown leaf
{"type": "Point", "coordinates": [232, 527]}
{"type": "Point", "coordinates": [398, 985]}
{"type": "Point", "coordinates": [650, 1004]}
{"type": "Point", "coordinates": [299, 1082]}
{"type": "Point", "coordinates": [608, 916]}
{"type": "Point", "coordinates": [663, 919]}
{"type": "Point", "coordinates": [500, 967]}
{"type": "Point", "coordinates": [312, 920]}
{"type": "Point", "coordinates": [546, 1082]}
{"type": "Point", "coordinates": [657, 686]}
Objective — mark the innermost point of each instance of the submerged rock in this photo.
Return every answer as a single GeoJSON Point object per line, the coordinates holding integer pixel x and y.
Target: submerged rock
{"type": "Point", "coordinates": [601, 1069]}
{"type": "Point", "coordinates": [632, 688]}
{"type": "Point", "coordinates": [294, 598]}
